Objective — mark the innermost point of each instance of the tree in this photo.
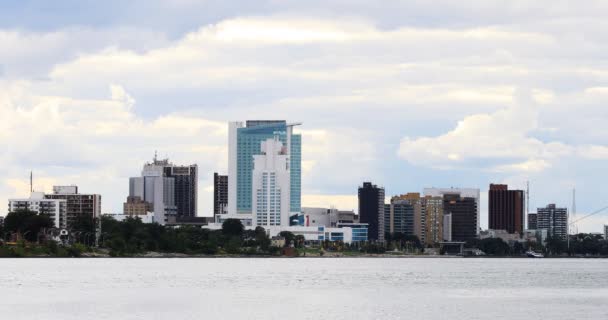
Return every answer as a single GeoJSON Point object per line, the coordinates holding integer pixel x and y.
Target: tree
{"type": "Point", "coordinates": [494, 246]}
{"type": "Point", "coordinates": [555, 245]}
{"type": "Point", "coordinates": [233, 227]}
{"type": "Point", "coordinates": [234, 245]}
{"type": "Point", "coordinates": [299, 241]}
{"type": "Point", "coordinates": [518, 248]}
{"type": "Point", "coordinates": [27, 223]}
{"type": "Point", "coordinates": [289, 237]}
{"type": "Point", "coordinates": [83, 223]}
{"type": "Point", "coordinates": [261, 238]}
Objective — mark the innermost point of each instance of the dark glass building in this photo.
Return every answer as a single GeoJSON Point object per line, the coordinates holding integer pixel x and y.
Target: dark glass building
{"type": "Point", "coordinates": [399, 217]}
{"type": "Point", "coordinates": [464, 216]}
{"type": "Point", "coordinates": [186, 185]}
{"type": "Point", "coordinates": [371, 210]}
{"type": "Point", "coordinates": [532, 221]}
{"type": "Point", "coordinates": [506, 209]}
{"type": "Point", "coordinates": [220, 194]}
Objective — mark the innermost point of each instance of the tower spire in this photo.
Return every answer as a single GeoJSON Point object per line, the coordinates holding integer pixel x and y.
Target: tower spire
{"type": "Point", "coordinates": [573, 216]}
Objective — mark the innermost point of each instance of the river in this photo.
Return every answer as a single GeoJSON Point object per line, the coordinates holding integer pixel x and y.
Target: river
{"type": "Point", "coordinates": [304, 288]}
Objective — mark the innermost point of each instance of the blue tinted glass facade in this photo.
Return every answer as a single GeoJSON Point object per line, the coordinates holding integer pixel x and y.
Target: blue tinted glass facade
{"type": "Point", "coordinates": [336, 236]}
{"type": "Point", "coordinates": [403, 218]}
{"type": "Point", "coordinates": [248, 144]}
{"type": "Point", "coordinates": [359, 233]}
{"type": "Point", "coordinates": [296, 173]}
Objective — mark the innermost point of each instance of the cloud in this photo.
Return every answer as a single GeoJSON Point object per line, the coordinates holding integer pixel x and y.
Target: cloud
{"type": "Point", "coordinates": [499, 141]}
{"type": "Point", "coordinates": [89, 105]}
{"type": "Point", "coordinates": [98, 143]}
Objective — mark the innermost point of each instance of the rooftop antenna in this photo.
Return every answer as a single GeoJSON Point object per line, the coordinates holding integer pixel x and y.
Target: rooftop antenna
{"type": "Point", "coordinates": [31, 182]}
{"type": "Point", "coordinates": [574, 210]}
{"type": "Point", "coordinates": [155, 155]}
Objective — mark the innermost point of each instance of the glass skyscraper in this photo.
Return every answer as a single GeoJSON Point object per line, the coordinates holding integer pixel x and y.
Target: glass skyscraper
{"type": "Point", "coordinates": [244, 143]}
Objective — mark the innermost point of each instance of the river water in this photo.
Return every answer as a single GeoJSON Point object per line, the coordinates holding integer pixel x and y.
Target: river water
{"type": "Point", "coordinates": [304, 288]}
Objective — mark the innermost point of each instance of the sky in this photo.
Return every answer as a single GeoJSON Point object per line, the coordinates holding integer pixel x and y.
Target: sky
{"type": "Point", "coordinates": [406, 94]}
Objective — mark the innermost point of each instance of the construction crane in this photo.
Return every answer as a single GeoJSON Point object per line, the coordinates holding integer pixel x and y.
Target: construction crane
{"type": "Point", "coordinates": [589, 215]}
{"type": "Point", "coordinates": [582, 218]}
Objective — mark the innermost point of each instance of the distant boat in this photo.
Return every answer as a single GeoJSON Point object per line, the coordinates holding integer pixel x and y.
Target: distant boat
{"type": "Point", "coordinates": [532, 254]}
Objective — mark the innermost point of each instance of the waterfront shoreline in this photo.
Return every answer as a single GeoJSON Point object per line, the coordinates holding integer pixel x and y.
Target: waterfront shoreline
{"type": "Point", "coordinates": [156, 255]}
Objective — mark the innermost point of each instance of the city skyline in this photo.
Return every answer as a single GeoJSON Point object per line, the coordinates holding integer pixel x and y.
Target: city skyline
{"type": "Point", "coordinates": [483, 223]}
{"type": "Point", "coordinates": [426, 100]}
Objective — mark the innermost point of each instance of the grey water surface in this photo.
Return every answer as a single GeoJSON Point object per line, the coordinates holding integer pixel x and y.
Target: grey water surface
{"type": "Point", "coordinates": [324, 288]}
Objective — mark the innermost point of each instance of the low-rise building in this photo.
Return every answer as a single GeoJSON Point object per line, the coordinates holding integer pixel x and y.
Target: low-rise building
{"type": "Point", "coordinates": [174, 220]}
{"type": "Point", "coordinates": [347, 233]}
{"type": "Point", "coordinates": [147, 218]}
{"type": "Point", "coordinates": [314, 217]}
{"type": "Point", "coordinates": [359, 231]}
{"type": "Point", "coordinates": [136, 206]}
{"type": "Point", "coordinates": [330, 217]}
{"type": "Point", "coordinates": [277, 241]}
{"type": "Point", "coordinates": [504, 235]}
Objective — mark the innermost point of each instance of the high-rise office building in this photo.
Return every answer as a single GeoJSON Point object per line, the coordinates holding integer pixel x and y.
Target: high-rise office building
{"type": "Point", "coordinates": [156, 189]}
{"type": "Point", "coordinates": [387, 218]}
{"type": "Point", "coordinates": [371, 210]}
{"type": "Point", "coordinates": [244, 142]}
{"type": "Point", "coordinates": [433, 220]}
{"type": "Point", "coordinates": [606, 232]}
{"type": "Point", "coordinates": [399, 218]}
{"type": "Point", "coordinates": [78, 206]}
{"type": "Point", "coordinates": [506, 209]}
{"type": "Point", "coordinates": [185, 187]}
{"type": "Point", "coordinates": [532, 221]}
{"type": "Point", "coordinates": [418, 213]}
{"type": "Point", "coordinates": [554, 220]}
{"type": "Point", "coordinates": [271, 187]}
{"type": "Point", "coordinates": [463, 192]}
{"type": "Point", "coordinates": [220, 194]}
{"type": "Point", "coordinates": [463, 213]}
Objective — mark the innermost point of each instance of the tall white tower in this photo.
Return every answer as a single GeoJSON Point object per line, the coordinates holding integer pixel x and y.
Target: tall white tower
{"type": "Point", "coordinates": [271, 185]}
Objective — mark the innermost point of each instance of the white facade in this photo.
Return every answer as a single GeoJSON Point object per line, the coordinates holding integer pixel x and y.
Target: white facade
{"type": "Point", "coordinates": [148, 218]}
{"type": "Point", "coordinates": [271, 185]}
{"type": "Point", "coordinates": [156, 189]}
{"type": "Point", "coordinates": [319, 233]}
{"type": "Point", "coordinates": [329, 217]}
{"type": "Point", "coordinates": [315, 217]}
{"type": "Point", "coordinates": [55, 208]}
{"type": "Point", "coordinates": [463, 192]}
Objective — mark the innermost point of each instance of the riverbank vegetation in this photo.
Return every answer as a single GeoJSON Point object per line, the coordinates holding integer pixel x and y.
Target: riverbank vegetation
{"type": "Point", "coordinates": [27, 234]}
